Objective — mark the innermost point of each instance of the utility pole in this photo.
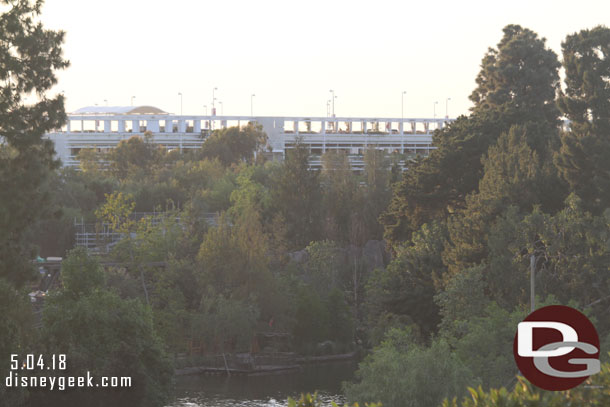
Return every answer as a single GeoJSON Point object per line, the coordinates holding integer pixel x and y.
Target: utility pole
{"type": "Point", "coordinates": [532, 282]}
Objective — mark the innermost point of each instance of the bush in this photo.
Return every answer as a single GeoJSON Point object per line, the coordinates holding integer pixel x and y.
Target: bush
{"type": "Point", "coordinates": [401, 373]}
{"type": "Point", "coordinates": [595, 392]}
{"type": "Point", "coordinates": [103, 334]}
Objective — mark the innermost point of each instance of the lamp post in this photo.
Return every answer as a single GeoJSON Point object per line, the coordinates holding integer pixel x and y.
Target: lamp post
{"type": "Point", "coordinates": [252, 104]}
{"type": "Point", "coordinates": [106, 101]}
{"type": "Point", "coordinates": [328, 108]}
{"type": "Point", "coordinates": [333, 101]}
{"type": "Point", "coordinates": [402, 104]}
{"type": "Point", "coordinates": [447, 108]}
{"type": "Point", "coordinates": [132, 98]}
{"type": "Point", "coordinates": [435, 103]}
{"type": "Point", "coordinates": [205, 110]}
{"type": "Point", "coordinates": [180, 94]}
{"type": "Point", "coordinates": [534, 257]}
{"type": "Point", "coordinates": [537, 254]}
{"type": "Point", "coordinates": [213, 99]}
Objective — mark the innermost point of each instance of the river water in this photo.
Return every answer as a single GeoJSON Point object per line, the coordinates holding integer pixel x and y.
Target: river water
{"type": "Point", "coordinates": [263, 391]}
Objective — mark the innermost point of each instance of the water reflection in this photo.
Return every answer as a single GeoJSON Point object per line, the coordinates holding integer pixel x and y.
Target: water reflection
{"type": "Point", "coordinates": [259, 391]}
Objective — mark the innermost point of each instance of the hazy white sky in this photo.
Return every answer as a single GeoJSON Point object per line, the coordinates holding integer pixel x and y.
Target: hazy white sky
{"type": "Point", "coordinates": [291, 53]}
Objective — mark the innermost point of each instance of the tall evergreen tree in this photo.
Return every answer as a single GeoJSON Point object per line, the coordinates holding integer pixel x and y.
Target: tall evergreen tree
{"type": "Point", "coordinates": [28, 58]}
{"type": "Point", "coordinates": [518, 79]}
{"type": "Point", "coordinates": [296, 195]}
{"type": "Point", "coordinates": [584, 156]}
{"type": "Point", "coordinates": [513, 176]}
{"type": "Point", "coordinates": [377, 192]}
{"type": "Point", "coordinates": [339, 188]}
{"type": "Point", "coordinates": [516, 85]}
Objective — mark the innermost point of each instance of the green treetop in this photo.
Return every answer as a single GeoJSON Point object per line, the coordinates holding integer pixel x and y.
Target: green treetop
{"type": "Point", "coordinates": [583, 158]}
{"type": "Point", "coordinates": [28, 58]}
{"type": "Point", "coordinates": [516, 85]}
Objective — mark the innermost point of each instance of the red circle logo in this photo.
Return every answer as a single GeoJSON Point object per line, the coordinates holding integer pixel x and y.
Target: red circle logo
{"type": "Point", "coordinates": [556, 348]}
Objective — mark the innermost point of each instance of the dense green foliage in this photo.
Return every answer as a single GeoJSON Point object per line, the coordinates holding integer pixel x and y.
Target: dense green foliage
{"type": "Point", "coordinates": [403, 293]}
{"type": "Point", "coordinates": [101, 333]}
{"type": "Point", "coordinates": [28, 58]}
{"type": "Point", "coordinates": [214, 264]}
{"type": "Point", "coordinates": [402, 373]}
{"type": "Point", "coordinates": [297, 197]}
{"type": "Point", "coordinates": [516, 85]}
{"type": "Point", "coordinates": [15, 335]}
{"type": "Point", "coordinates": [583, 157]}
{"type": "Point", "coordinates": [233, 145]}
{"type": "Point", "coordinates": [217, 246]}
{"type": "Point", "coordinates": [594, 392]}
{"type": "Point", "coordinates": [505, 183]}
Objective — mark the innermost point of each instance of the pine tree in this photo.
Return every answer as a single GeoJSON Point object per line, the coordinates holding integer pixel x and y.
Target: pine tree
{"type": "Point", "coordinates": [513, 176]}
{"type": "Point", "coordinates": [339, 188]}
{"type": "Point", "coordinates": [297, 196]}
{"type": "Point", "coordinates": [583, 160]}
{"type": "Point", "coordinates": [377, 194]}
{"type": "Point", "coordinates": [519, 79]}
{"type": "Point", "coordinates": [28, 58]}
{"type": "Point", "coordinates": [516, 85]}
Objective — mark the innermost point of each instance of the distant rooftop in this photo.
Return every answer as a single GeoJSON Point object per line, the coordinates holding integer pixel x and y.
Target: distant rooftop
{"type": "Point", "coordinates": [118, 110]}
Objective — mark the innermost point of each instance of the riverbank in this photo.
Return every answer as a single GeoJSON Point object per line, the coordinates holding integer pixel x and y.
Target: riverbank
{"type": "Point", "coordinates": [294, 364]}
{"type": "Point", "coordinates": [270, 390]}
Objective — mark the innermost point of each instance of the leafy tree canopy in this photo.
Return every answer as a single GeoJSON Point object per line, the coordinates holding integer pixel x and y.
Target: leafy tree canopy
{"type": "Point", "coordinates": [233, 145]}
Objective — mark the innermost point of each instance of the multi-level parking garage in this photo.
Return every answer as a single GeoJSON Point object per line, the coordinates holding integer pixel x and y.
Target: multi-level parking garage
{"type": "Point", "coordinates": [102, 128]}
